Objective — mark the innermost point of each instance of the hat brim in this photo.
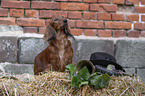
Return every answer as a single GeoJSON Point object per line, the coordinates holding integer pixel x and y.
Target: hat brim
{"type": "Point", "coordinates": [105, 63]}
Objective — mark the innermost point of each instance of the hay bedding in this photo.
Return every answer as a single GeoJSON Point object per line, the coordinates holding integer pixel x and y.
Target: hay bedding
{"type": "Point", "coordinates": [59, 84]}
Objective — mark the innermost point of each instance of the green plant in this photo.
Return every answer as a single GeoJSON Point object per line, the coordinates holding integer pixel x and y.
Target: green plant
{"type": "Point", "coordinates": [83, 77]}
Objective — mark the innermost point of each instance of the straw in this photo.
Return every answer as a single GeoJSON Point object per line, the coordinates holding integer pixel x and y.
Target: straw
{"type": "Point", "coordinates": [59, 84]}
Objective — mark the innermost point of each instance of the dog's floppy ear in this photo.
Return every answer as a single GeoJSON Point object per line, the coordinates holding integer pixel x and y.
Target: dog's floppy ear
{"type": "Point", "coordinates": [50, 33]}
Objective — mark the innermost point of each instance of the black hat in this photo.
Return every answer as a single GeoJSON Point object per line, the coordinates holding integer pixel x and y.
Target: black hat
{"type": "Point", "coordinates": [104, 59]}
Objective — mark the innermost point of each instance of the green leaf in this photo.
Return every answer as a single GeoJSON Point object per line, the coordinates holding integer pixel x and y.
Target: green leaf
{"type": "Point", "coordinates": [82, 77]}
{"type": "Point", "coordinates": [102, 82]}
{"type": "Point", "coordinates": [74, 82]}
{"type": "Point", "coordinates": [71, 68]}
{"type": "Point", "coordinates": [83, 74]}
{"type": "Point", "coordinates": [94, 74]}
{"type": "Point", "coordinates": [95, 81]}
{"type": "Point", "coordinates": [99, 81]}
{"type": "Point", "coordinates": [84, 83]}
{"type": "Point", "coordinates": [111, 67]}
{"type": "Point", "coordinates": [79, 78]}
{"type": "Point", "coordinates": [106, 77]}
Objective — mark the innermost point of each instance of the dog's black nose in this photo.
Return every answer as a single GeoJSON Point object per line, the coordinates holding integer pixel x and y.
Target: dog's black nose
{"type": "Point", "coordinates": [65, 20]}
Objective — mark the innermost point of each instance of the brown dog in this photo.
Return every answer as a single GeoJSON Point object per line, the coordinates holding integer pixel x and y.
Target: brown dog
{"type": "Point", "coordinates": [59, 53]}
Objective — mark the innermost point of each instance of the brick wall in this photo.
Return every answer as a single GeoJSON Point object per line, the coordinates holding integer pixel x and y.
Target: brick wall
{"type": "Point", "coordinates": [103, 18]}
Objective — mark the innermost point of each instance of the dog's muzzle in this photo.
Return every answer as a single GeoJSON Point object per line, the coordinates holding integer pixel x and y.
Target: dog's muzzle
{"type": "Point", "coordinates": [65, 20]}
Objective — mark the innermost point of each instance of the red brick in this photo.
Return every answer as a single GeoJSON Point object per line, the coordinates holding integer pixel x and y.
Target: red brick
{"type": "Point", "coordinates": [89, 15]}
{"type": "Point", "coordinates": [90, 1]}
{"type": "Point", "coordinates": [139, 9]}
{"type": "Point", "coordinates": [50, 13]}
{"type": "Point", "coordinates": [45, 14]}
{"type": "Point", "coordinates": [76, 32]}
{"type": "Point", "coordinates": [7, 21]}
{"type": "Point", "coordinates": [133, 33]}
{"type": "Point", "coordinates": [89, 24]}
{"type": "Point", "coordinates": [130, 2]}
{"type": "Point", "coordinates": [104, 16]}
{"type": "Point", "coordinates": [15, 4]}
{"type": "Point", "coordinates": [3, 12]}
{"type": "Point", "coordinates": [142, 33]}
{"type": "Point", "coordinates": [142, 17]}
{"type": "Point", "coordinates": [41, 30]}
{"type": "Point", "coordinates": [118, 17]}
{"type": "Point", "coordinates": [139, 26]}
{"type": "Point", "coordinates": [74, 15]}
{"type": "Point", "coordinates": [118, 25]}
{"type": "Point", "coordinates": [47, 21]}
{"type": "Point", "coordinates": [119, 33]}
{"type": "Point", "coordinates": [104, 1]}
{"type": "Point", "coordinates": [143, 2]}
{"type": "Point", "coordinates": [90, 32]}
{"type": "Point", "coordinates": [71, 23]}
{"type": "Point", "coordinates": [74, 6]}
{"type": "Point", "coordinates": [76, 0]}
{"type": "Point", "coordinates": [118, 1]}
{"type": "Point", "coordinates": [60, 0]}
{"type": "Point", "coordinates": [31, 13]}
{"type": "Point", "coordinates": [103, 7]}
{"type": "Point", "coordinates": [104, 33]}
{"type": "Point", "coordinates": [59, 13]}
{"type": "Point", "coordinates": [17, 12]}
{"type": "Point", "coordinates": [30, 29]}
{"type": "Point", "coordinates": [45, 5]}
{"type": "Point", "coordinates": [31, 22]}
{"type": "Point", "coordinates": [132, 17]}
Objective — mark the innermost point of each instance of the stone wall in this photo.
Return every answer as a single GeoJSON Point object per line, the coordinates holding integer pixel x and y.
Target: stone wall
{"type": "Point", "coordinates": [20, 51]}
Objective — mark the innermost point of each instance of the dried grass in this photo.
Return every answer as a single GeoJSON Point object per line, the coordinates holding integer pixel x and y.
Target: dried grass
{"type": "Point", "coordinates": [58, 84]}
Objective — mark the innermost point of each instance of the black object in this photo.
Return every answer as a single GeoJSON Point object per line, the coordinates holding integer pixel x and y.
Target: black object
{"type": "Point", "coordinates": [103, 60]}
{"type": "Point", "coordinates": [65, 20]}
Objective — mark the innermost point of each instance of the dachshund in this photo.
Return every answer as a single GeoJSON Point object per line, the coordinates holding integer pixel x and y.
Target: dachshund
{"type": "Point", "coordinates": [59, 53]}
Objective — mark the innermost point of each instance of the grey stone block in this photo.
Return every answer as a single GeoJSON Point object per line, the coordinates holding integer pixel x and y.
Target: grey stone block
{"type": "Point", "coordinates": [8, 49]}
{"type": "Point", "coordinates": [141, 74]}
{"type": "Point", "coordinates": [17, 68]}
{"type": "Point", "coordinates": [83, 48]}
{"type": "Point", "coordinates": [6, 28]}
{"type": "Point", "coordinates": [11, 30]}
{"type": "Point", "coordinates": [130, 53]}
{"type": "Point", "coordinates": [130, 70]}
{"type": "Point", "coordinates": [29, 49]}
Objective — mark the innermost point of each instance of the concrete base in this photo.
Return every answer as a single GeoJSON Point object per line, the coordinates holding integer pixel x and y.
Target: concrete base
{"type": "Point", "coordinates": [141, 74]}
{"type": "Point", "coordinates": [83, 48]}
{"type": "Point", "coordinates": [130, 53]}
{"type": "Point", "coordinates": [16, 68]}
{"type": "Point", "coordinates": [8, 49]}
{"type": "Point", "coordinates": [29, 48]}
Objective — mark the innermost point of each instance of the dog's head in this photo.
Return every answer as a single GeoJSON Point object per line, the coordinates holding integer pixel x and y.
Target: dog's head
{"type": "Point", "coordinates": [56, 24]}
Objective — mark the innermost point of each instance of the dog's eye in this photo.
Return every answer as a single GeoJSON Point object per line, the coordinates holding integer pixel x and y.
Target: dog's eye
{"type": "Point", "coordinates": [55, 19]}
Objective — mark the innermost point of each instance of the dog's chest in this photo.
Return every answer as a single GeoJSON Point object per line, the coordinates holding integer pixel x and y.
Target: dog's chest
{"type": "Point", "coordinates": [62, 48]}
{"type": "Point", "coordinates": [61, 52]}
